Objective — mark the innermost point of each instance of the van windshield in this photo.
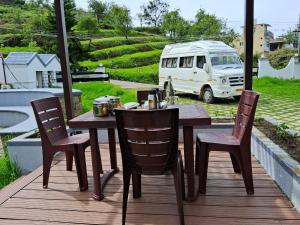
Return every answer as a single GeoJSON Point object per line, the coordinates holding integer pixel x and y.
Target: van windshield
{"type": "Point", "coordinates": [230, 61]}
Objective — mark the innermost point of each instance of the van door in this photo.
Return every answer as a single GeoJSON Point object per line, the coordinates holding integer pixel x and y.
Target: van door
{"type": "Point", "coordinates": [185, 73]}
{"type": "Point", "coordinates": [200, 76]}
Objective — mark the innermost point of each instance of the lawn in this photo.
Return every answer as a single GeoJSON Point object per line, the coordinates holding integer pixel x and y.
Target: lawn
{"type": "Point", "coordinates": [92, 90]}
{"type": "Point", "coordinates": [8, 170]}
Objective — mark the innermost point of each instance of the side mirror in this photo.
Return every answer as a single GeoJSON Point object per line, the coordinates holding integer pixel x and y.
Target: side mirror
{"type": "Point", "coordinates": [206, 67]}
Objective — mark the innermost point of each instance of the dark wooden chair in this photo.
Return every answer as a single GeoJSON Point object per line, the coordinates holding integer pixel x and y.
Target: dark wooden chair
{"type": "Point", "coordinates": [142, 96]}
{"type": "Point", "coordinates": [238, 144]}
{"type": "Point", "coordinates": [149, 146]}
{"type": "Point", "coordinates": [54, 136]}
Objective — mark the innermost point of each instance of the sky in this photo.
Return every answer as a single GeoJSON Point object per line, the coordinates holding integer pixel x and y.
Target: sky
{"type": "Point", "coordinates": [281, 15]}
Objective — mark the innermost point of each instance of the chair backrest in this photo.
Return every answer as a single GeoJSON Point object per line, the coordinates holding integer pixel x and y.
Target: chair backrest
{"type": "Point", "coordinates": [245, 116]}
{"type": "Point", "coordinates": [148, 139]}
{"type": "Point", "coordinates": [50, 120]}
{"type": "Point", "coordinates": [142, 96]}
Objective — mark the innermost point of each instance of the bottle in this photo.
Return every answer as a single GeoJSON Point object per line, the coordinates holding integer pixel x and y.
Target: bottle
{"type": "Point", "coordinates": [159, 97]}
{"type": "Point", "coordinates": [152, 99]}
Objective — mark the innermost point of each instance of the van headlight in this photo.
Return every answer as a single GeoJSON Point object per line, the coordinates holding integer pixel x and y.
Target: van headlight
{"type": "Point", "coordinates": [223, 80]}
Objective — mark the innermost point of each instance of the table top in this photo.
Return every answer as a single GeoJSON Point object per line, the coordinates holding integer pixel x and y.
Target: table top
{"type": "Point", "coordinates": [189, 115]}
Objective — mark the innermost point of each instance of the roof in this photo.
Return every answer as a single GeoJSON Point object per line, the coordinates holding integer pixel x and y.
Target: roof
{"type": "Point", "coordinates": [207, 45]}
{"type": "Point", "coordinates": [20, 58]}
{"type": "Point", "coordinates": [47, 58]}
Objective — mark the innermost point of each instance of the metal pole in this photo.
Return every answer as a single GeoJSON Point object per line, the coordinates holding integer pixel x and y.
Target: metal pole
{"type": "Point", "coordinates": [4, 74]}
{"type": "Point", "coordinates": [64, 57]}
{"type": "Point", "coordinates": [248, 40]}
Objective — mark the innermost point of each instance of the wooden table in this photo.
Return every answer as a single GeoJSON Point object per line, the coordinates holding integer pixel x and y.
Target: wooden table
{"type": "Point", "coordinates": [189, 116]}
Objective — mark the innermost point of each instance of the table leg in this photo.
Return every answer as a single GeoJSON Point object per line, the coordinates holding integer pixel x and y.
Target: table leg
{"type": "Point", "coordinates": [189, 161]}
{"type": "Point", "coordinates": [112, 149]}
{"type": "Point", "coordinates": [96, 161]}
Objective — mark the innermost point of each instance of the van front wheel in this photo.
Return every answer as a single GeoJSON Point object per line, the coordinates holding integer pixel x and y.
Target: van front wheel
{"type": "Point", "coordinates": [208, 95]}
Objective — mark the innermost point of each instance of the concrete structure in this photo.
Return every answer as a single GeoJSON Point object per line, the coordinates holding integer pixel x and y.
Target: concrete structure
{"type": "Point", "coordinates": [263, 40]}
{"type": "Point", "coordinates": [291, 71]}
{"type": "Point", "coordinates": [30, 70]}
{"type": "Point", "coordinates": [16, 115]}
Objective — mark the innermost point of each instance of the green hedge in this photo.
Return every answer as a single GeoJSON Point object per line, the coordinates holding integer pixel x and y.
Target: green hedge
{"type": "Point", "coordinates": [105, 33]}
{"type": "Point", "coordinates": [126, 61]}
{"type": "Point", "coordinates": [280, 58]}
{"type": "Point", "coordinates": [125, 49]}
{"type": "Point", "coordinates": [102, 43]}
{"type": "Point", "coordinates": [144, 74]}
{"type": "Point", "coordinates": [7, 50]}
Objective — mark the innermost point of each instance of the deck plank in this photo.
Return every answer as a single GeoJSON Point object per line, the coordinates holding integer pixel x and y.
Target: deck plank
{"type": "Point", "coordinates": [226, 201]}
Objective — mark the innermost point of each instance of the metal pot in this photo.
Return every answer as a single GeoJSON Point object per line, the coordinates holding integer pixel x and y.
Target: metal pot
{"type": "Point", "coordinates": [100, 108]}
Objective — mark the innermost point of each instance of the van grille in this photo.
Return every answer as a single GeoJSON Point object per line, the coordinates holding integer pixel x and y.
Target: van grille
{"type": "Point", "coordinates": [236, 81]}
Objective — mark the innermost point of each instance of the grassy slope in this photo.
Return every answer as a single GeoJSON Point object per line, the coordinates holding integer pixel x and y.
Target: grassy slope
{"type": "Point", "coordinates": [126, 49]}
{"type": "Point", "coordinates": [6, 50]}
{"type": "Point", "coordinates": [144, 74]}
{"type": "Point", "coordinates": [126, 61]}
{"type": "Point", "coordinates": [92, 90]}
{"type": "Point", "coordinates": [102, 43]}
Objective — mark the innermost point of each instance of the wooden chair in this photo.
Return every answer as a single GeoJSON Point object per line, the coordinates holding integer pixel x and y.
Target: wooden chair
{"type": "Point", "coordinates": [142, 96]}
{"type": "Point", "coordinates": [54, 136]}
{"type": "Point", "coordinates": [149, 146]}
{"type": "Point", "coordinates": [238, 144]}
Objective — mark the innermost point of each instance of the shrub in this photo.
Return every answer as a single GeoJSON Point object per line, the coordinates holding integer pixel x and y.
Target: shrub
{"type": "Point", "coordinates": [280, 58]}
{"type": "Point", "coordinates": [116, 41]}
{"type": "Point", "coordinates": [7, 50]}
{"type": "Point", "coordinates": [8, 169]}
{"type": "Point", "coordinates": [126, 61]}
{"type": "Point", "coordinates": [126, 49]}
{"type": "Point", "coordinates": [151, 30]}
{"type": "Point", "coordinates": [145, 74]}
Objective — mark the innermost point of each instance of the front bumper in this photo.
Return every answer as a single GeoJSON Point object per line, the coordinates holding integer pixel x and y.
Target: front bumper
{"type": "Point", "coordinates": [227, 91]}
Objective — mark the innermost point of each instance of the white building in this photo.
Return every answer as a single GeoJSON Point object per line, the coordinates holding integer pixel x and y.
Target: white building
{"type": "Point", "coordinates": [30, 70]}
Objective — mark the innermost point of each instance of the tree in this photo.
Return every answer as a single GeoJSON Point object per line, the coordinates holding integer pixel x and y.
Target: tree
{"type": "Point", "coordinates": [207, 25]}
{"type": "Point", "coordinates": [154, 11]}
{"type": "Point", "coordinates": [70, 15]}
{"type": "Point", "coordinates": [99, 9]}
{"type": "Point", "coordinates": [291, 38]}
{"type": "Point", "coordinates": [12, 2]}
{"type": "Point", "coordinates": [174, 25]}
{"type": "Point", "coordinates": [120, 19]}
{"type": "Point", "coordinates": [87, 23]}
{"type": "Point", "coordinates": [141, 18]}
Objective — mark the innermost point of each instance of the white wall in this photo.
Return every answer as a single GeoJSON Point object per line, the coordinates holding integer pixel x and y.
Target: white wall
{"type": "Point", "coordinates": [291, 71]}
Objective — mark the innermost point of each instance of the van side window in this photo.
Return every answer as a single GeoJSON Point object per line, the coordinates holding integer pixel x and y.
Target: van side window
{"type": "Point", "coordinates": [169, 63]}
{"type": "Point", "coordinates": [201, 61]}
{"type": "Point", "coordinates": [186, 62]}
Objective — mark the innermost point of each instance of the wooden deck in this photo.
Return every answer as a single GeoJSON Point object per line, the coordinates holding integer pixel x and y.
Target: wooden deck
{"type": "Point", "coordinates": [25, 202]}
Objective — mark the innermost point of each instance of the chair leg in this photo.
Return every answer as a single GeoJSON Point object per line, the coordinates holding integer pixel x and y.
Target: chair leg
{"type": "Point", "coordinates": [197, 159]}
{"type": "Point", "coordinates": [178, 188]}
{"type": "Point", "coordinates": [247, 170]}
{"type": "Point", "coordinates": [81, 174]}
{"type": "Point", "coordinates": [126, 183]}
{"type": "Point", "coordinates": [136, 184]}
{"type": "Point", "coordinates": [79, 155]}
{"type": "Point", "coordinates": [47, 161]}
{"type": "Point", "coordinates": [69, 161]}
{"type": "Point", "coordinates": [235, 164]}
{"type": "Point", "coordinates": [203, 161]}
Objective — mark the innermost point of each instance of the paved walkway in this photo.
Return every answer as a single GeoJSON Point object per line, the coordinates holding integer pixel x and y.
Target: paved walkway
{"type": "Point", "coordinates": [284, 110]}
{"type": "Point", "coordinates": [25, 202]}
{"type": "Point", "coordinates": [133, 85]}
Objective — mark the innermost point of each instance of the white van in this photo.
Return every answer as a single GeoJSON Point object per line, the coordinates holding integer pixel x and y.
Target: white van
{"type": "Point", "coordinates": [210, 69]}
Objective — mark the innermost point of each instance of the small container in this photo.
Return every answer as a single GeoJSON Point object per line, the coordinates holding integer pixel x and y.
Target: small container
{"type": "Point", "coordinates": [100, 108]}
{"type": "Point", "coordinates": [114, 103]}
{"type": "Point", "coordinates": [152, 99]}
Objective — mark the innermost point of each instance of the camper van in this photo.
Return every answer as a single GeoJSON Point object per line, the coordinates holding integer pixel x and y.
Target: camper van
{"type": "Point", "coordinates": [209, 69]}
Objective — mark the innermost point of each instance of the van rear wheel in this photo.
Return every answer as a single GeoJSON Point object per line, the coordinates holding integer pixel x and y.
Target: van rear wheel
{"type": "Point", "coordinates": [208, 95]}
